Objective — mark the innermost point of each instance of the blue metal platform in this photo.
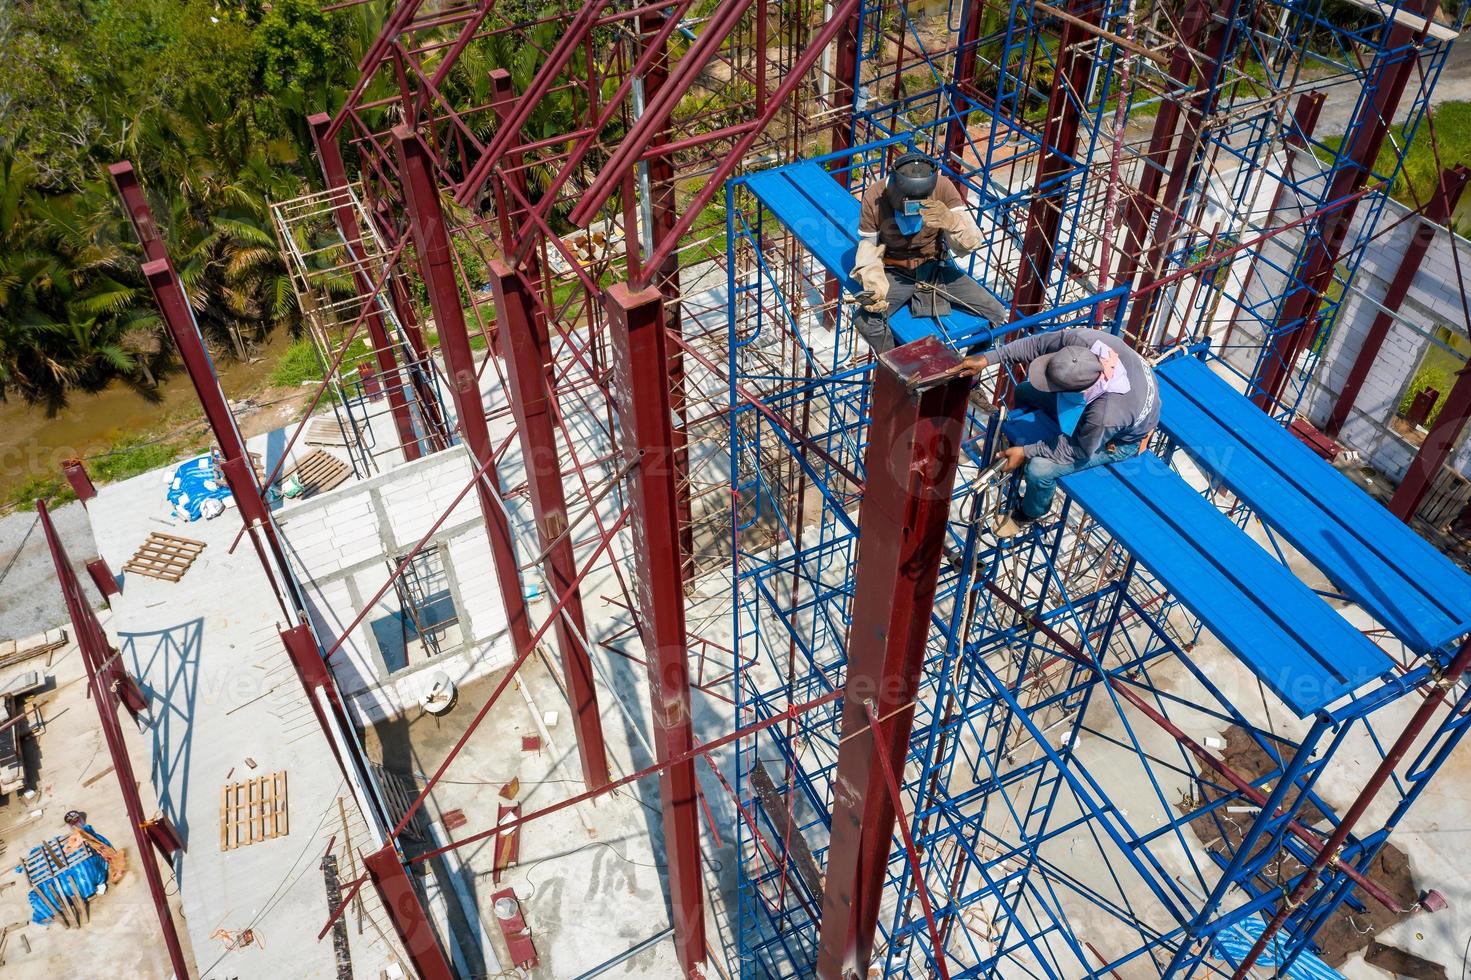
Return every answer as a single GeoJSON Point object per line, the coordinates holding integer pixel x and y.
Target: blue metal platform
{"type": "Point", "coordinates": [1422, 597]}
{"type": "Point", "coordinates": [1295, 642]}
{"type": "Point", "coordinates": [823, 216]}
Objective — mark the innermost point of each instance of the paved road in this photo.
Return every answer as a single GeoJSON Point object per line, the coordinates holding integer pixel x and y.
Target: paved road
{"type": "Point", "coordinates": [1454, 85]}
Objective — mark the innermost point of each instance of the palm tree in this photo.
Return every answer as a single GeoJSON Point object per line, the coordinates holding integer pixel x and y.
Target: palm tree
{"type": "Point", "coordinates": [65, 303]}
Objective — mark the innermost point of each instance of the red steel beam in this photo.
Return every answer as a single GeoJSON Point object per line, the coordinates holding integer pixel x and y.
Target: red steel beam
{"type": "Point", "coordinates": [913, 449]}
{"type": "Point", "coordinates": [657, 111]}
{"type": "Point", "coordinates": [1059, 146]}
{"type": "Point", "coordinates": [845, 75]}
{"type": "Point", "coordinates": [330, 157]}
{"type": "Point", "coordinates": [1298, 319]}
{"type": "Point", "coordinates": [386, 870]}
{"type": "Point", "coordinates": [527, 352]}
{"type": "Point", "coordinates": [1330, 852]}
{"type": "Point", "coordinates": [173, 306]}
{"type": "Point", "coordinates": [736, 155]}
{"type": "Point", "coordinates": [1442, 202]}
{"type": "Point", "coordinates": [431, 238]}
{"type": "Point", "coordinates": [546, 76]}
{"type": "Point", "coordinates": [640, 390]}
{"type": "Point", "coordinates": [96, 651]}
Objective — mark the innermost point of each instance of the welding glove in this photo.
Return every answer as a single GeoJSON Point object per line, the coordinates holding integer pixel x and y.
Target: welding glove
{"type": "Point", "coordinates": [962, 234]}
{"type": "Point", "coordinates": [868, 269]}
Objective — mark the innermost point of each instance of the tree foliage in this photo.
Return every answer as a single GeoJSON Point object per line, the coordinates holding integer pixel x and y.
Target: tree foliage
{"type": "Point", "coordinates": [208, 100]}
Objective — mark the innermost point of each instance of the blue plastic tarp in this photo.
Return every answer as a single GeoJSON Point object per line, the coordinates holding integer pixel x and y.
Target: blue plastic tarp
{"type": "Point", "coordinates": [195, 482]}
{"type": "Point", "coordinates": [84, 870]}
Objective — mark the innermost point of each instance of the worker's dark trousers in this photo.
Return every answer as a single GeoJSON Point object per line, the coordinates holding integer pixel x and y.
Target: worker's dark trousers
{"type": "Point", "coordinates": [961, 290]}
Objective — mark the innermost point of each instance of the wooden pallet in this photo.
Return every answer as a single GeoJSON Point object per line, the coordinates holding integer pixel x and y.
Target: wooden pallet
{"type": "Point", "coordinates": [319, 471]}
{"type": "Point", "coordinates": [164, 556]}
{"type": "Point", "coordinates": [253, 811]}
{"type": "Point", "coordinates": [328, 431]}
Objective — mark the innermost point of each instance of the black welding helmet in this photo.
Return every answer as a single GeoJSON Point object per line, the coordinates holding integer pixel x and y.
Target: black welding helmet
{"type": "Point", "coordinates": [912, 179]}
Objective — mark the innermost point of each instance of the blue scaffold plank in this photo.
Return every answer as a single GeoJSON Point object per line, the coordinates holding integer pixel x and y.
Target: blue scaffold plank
{"type": "Point", "coordinates": [1280, 629]}
{"type": "Point", "coordinates": [823, 216]}
{"type": "Point", "coordinates": [1381, 563]}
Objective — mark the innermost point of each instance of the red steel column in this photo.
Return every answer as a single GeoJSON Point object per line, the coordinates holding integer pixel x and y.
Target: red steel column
{"type": "Point", "coordinates": [235, 463]}
{"type": "Point", "coordinates": [1059, 144]}
{"type": "Point", "coordinates": [330, 158]}
{"type": "Point", "coordinates": [526, 355]}
{"type": "Point", "coordinates": [1325, 235]}
{"type": "Point", "coordinates": [95, 650]}
{"type": "Point", "coordinates": [1144, 200]}
{"type": "Point", "coordinates": [665, 211]}
{"type": "Point", "coordinates": [845, 74]}
{"type": "Point", "coordinates": [640, 390]}
{"type": "Point", "coordinates": [1442, 203]}
{"type": "Point", "coordinates": [1435, 449]}
{"type": "Point", "coordinates": [431, 239]}
{"type": "Point", "coordinates": [913, 448]}
{"type": "Point", "coordinates": [396, 892]}
{"type": "Point", "coordinates": [965, 73]}
{"type": "Point", "coordinates": [1216, 38]}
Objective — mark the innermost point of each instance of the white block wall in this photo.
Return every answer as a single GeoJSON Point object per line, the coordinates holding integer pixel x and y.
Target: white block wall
{"type": "Point", "coordinates": [341, 545]}
{"type": "Point", "coordinates": [1433, 300]}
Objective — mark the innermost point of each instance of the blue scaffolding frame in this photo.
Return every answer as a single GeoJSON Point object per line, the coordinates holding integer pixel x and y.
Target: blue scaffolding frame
{"type": "Point", "coordinates": [1059, 665]}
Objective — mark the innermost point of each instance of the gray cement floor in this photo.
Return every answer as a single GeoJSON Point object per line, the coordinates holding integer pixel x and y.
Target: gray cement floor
{"type": "Point", "coordinates": [75, 773]}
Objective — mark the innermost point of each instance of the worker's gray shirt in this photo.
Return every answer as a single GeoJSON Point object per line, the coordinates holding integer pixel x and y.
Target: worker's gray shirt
{"type": "Point", "coordinates": [1111, 417]}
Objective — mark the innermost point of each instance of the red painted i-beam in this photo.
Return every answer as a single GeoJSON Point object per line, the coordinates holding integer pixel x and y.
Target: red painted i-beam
{"type": "Point", "coordinates": [386, 870]}
{"type": "Point", "coordinates": [525, 346]}
{"type": "Point", "coordinates": [913, 449]}
{"type": "Point", "coordinates": [97, 652]}
{"type": "Point", "coordinates": [346, 219]}
{"type": "Point", "coordinates": [973, 16]}
{"type": "Point", "coordinates": [640, 389]}
{"type": "Point", "coordinates": [1297, 322]}
{"type": "Point", "coordinates": [1059, 146]}
{"type": "Point", "coordinates": [1442, 202]}
{"type": "Point", "coordinates": [431, 239]}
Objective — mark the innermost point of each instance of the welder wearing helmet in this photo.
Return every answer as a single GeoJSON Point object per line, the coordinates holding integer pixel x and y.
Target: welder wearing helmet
{"type": "Point", "coordinates": [908, 226]}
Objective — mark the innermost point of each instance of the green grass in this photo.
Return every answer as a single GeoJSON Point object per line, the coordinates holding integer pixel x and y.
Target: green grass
{"type": "Point", "coordinates": [1419, 176]}
{"type": "Point", "coordinates": [126, 458]}
{"type": "Point", "coordinates": [297, 366]}
{"type": "Point", "coordinates": [53, 490]}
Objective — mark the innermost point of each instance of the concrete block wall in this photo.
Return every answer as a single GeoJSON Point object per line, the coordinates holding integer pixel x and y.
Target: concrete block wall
{"type": "Point", "coordinates": [1433, 300]}
{"type": "Point", "coordinates": [342, 546]}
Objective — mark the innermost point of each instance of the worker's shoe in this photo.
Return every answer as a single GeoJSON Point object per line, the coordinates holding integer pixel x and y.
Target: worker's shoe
{"type": "Point", "coordinates": [1014, 523]}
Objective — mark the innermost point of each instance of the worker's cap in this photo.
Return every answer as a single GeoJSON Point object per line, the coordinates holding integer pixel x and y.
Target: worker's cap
{"type": "Point", "coordinates": [913, 175]}
{"type": "Point", "coordinates": [74, 818]}
{"type": "Point", "coordinates": [1069, 369]}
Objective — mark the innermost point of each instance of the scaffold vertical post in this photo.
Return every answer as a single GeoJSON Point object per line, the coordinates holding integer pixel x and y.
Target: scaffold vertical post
{"type": "Point", "coordinates": [431, 238]}
{"type": "Point", "coordinates": [392, 376]}
{"type": "Point", "coordinates": [526, 355]}
{"type": "Point", "coordinates": [640, 390]}
{"type": "Point", "coordinates": [1297, 322]}
{"type": "Point", "coordinates": [910, 465]}
{"type": "Point", "coordinates": [1059, 145]}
